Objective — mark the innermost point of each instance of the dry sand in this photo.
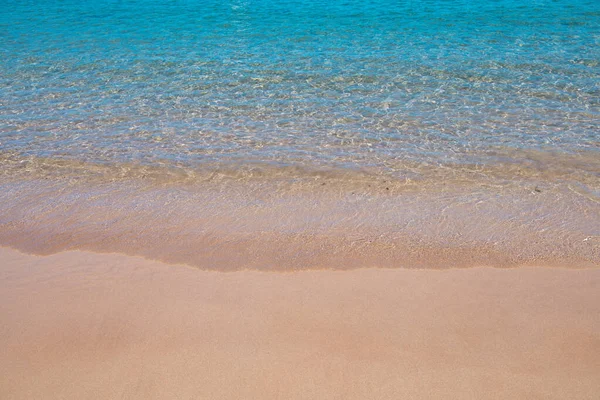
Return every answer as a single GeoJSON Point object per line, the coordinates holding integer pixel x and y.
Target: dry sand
{"type": "Point", "coordinates": [80, 325]}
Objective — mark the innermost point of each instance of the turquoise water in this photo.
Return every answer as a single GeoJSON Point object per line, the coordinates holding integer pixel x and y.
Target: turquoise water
{"type": "Point", "coordinates": [295, 134]}
{"type": "Point", "coordinates": [376, 84]}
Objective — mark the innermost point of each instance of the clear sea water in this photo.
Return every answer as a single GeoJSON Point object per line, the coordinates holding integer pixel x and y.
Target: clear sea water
{"type": "Point", "coordinates": [495, 92]}
{"type": "Point", "coordinates": [344, 83]}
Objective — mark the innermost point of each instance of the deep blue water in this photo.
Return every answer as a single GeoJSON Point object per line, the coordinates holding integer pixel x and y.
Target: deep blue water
{"type": "Point", "coordinates": [380, 84]}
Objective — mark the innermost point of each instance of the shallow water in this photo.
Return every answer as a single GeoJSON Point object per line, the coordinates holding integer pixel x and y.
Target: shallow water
{"type": "Point", "coordinates": [463, 128]}
{"type": "Point", "coordinates": [361, 84]}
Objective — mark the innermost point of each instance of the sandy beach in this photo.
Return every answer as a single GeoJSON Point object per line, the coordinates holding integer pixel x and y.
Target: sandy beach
{"type": "Point", "coordinates": [299, 199]}
{"type": "Point", "coordinates": [106, 326]}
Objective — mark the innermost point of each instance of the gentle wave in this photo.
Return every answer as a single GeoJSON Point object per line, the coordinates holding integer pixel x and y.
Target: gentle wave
{"type": "Point", "coordinates": [231, 224]}
{"type": "Point", "coordinates": [512, 168]}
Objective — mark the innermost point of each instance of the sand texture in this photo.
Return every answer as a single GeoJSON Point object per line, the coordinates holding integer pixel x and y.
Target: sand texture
{"type": "Point", "coordinates": [80, 325]}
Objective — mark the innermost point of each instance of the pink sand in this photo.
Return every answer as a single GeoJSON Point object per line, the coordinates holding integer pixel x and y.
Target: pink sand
{"type": "Point", "coordinates": [80, 325]}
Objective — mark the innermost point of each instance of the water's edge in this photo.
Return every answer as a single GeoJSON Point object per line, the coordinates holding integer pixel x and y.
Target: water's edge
{"type": "Point", "coordinates": [310, 223]}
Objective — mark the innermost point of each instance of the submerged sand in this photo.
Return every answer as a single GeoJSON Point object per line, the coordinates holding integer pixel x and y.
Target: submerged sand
{"type": "Point", "coordinates": [80, 325]}
{"type": "Point", "coordinates": [306, 222]}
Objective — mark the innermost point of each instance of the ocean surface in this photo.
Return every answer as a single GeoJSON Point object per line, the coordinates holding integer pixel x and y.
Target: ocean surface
{"type": "Point", "coordinates": [299, 133]}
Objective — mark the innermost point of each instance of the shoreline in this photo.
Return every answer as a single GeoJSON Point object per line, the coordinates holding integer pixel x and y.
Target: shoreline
{"type": "Point", "coordinates": [85, 325]}
{"type": "Point", "coordinates": [296, 225]}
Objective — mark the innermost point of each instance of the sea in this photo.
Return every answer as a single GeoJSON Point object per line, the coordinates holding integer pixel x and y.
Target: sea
{"type": "Point", "coordinates": [293, 134]}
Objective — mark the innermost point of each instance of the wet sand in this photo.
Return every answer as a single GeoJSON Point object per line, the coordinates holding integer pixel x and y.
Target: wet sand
{"type": "Point", "coordinates": [81, 325]}
{"type": "Point", "coordinates": [281, 225]}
